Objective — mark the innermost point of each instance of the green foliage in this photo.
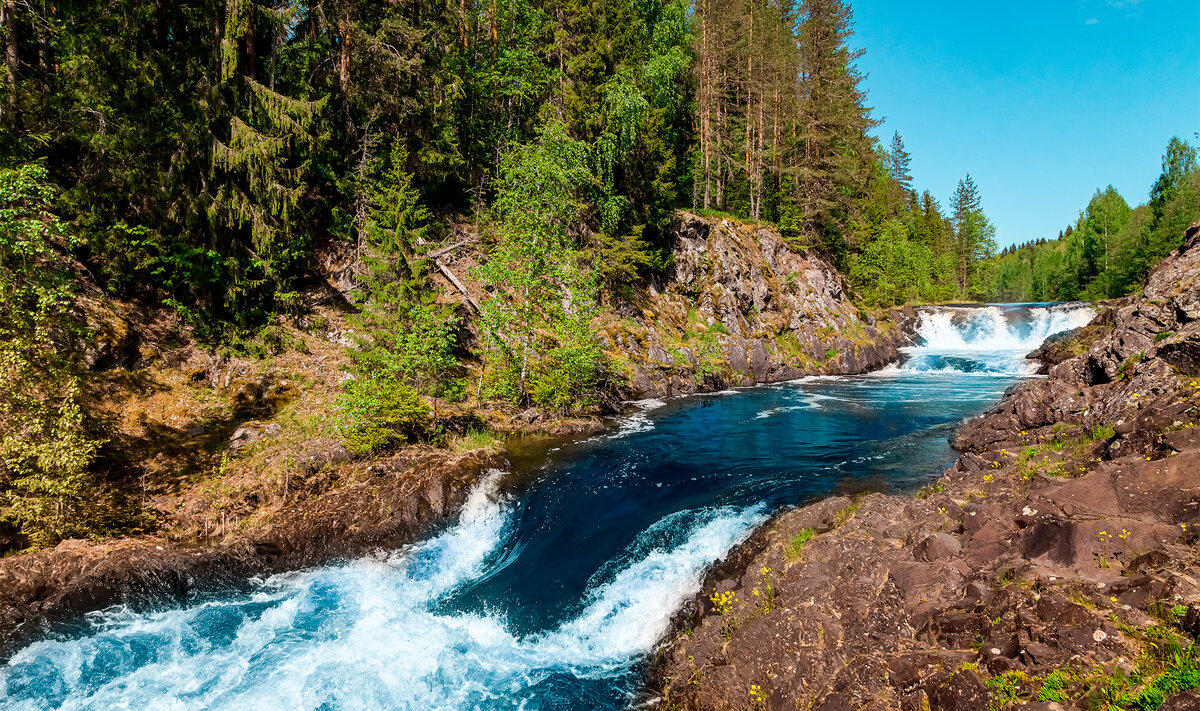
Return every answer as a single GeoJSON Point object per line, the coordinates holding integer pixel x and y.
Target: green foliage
{"type": "Point", "coordinates": [475, 439]}
{"type": "Point", "coordinates": [930, 489]}
{"type": "Point", "coordinates": [46, 488]}
{"type": "Point", "coordinates": [401, 335]}
{"type": "Point", "coordinates": [1054, 687]}
{"type": "Point", "coordinates": [795, 547]}
{"type": "Point", "coordinates": [1006, 688]}
{"type": "Point", "coordinates": [1111, 248]}
{"type": "Point", "coordinates": [893, 269]}
{"type": "Point", "coordinates": [1169, 664]}
{"type": "Point", "coordinates": [537, 325]}
{"type": "Point", "coordinates": [404, 342]}
{"type": "Point", "coordinates": [378, 413]}
{"type": "Point", "coordinates": [975, 238]}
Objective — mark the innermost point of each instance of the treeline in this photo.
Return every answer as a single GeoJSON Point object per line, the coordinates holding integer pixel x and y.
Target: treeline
{"type": "Point", "coordinates": [1110, 249]}
{"type": "Point", "coordinates": [783, 137]}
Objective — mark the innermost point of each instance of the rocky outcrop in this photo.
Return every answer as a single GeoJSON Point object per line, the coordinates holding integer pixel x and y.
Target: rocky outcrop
{"type": "Point", "coordinates": [1054, 565]}
{"type": "Point", "coordinates": [396, 501]}
{"type": "Point", "coordinates": [738, 307]}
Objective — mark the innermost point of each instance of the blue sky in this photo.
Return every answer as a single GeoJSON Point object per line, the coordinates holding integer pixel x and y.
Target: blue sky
{"type": "Point", "coordinates": [1043, 102]}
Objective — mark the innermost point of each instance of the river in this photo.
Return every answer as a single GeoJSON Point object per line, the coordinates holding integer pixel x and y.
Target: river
{"type": "Point", "coordinates": [559, 577]}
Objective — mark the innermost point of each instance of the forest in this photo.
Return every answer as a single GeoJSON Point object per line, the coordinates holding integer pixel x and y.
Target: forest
{"type": "Point", "coordinates": [200, 156]}
{"type": "Point", "coordinates": [1110, 248]}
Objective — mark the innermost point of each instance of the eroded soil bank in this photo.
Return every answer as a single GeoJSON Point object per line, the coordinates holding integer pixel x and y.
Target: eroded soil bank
{"type": "Point", "coordinates": [389, 503]}
{"type": "Point", "coordinates": [1054, 565]}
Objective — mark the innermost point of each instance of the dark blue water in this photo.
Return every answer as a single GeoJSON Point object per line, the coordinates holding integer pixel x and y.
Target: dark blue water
{"type": "Point", "coordinates": [560, 576]}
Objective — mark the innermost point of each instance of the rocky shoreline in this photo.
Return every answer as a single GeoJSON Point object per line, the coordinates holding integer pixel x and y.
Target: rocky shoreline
{"type": "Point", "coordinates": [1053, 566]}
{"type": "Point", "coordinates": [399, 500]}
{"type": "Point", "coordinates": [738, 307]}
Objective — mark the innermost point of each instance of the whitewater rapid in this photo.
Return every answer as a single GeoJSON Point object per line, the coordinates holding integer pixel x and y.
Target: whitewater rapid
{"type": "Point", "coordinates": [987, 340]}
{"type": "Point", "coordinates": [370, 634]}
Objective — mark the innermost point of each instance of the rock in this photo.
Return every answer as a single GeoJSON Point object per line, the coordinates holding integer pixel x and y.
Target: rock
{"type": "Point", "coordinates": [1016, 564]}
{"type": "Point", "coordinates": [963, 691]}
{"type": "Point", "coordinates": [939, 546]}
{"type": "Point", "coordinates": [1185, 440]}
{"type": "Point", "coordinates": [1184, 701]}
{"type": "Point", "coordinates": [249, 433]}
{"type": "Point", "coordinates": [1191, 621]}
{"type": "Point", "coordinates": [529, 416]}
{"type": "Point", "coordinates": [779, 313]}
{"type": "Point", "coordinates": [319, 453]}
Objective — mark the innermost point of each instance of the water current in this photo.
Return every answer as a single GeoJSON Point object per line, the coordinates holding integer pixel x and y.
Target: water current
{"type": "Point", "coordinates": [559, 577]}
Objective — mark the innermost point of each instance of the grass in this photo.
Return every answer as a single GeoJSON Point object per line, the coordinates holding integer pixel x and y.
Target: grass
{"type": "Point", "coordinates": [931, 489]}
{"type": "Point", "coordinates": [845, 514]}
{"type": "Point", "coordinates": [1168, 664]}
{"type": "Point", "coordinates": [1125, 370]}
{"type": "Point", "coordinates": [795, 547]}
{"type": "Point", "coordinates": [475, 439]}
{"type": "Point", "coordinates": [1035, 460]}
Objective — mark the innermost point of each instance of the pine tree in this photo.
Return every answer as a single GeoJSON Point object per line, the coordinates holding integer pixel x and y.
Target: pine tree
{"type": "Point", "coordinates": [835, 150]}
{"type": "Point", "coordinates": [975, 236]}
{"type": "Point", "coordinates": [899, 161]}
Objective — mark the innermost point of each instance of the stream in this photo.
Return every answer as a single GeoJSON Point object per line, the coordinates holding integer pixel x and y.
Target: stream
{"type": "Point", "coordinates": [559, 577]}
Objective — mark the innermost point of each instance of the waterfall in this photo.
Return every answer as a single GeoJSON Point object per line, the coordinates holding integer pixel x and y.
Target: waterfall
{"type": "Point", "coordinates": [988, 340]}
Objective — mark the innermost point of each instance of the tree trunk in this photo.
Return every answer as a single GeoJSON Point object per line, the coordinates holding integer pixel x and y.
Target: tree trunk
{"type": "Point", "coordinates": [10, 47]}
{"type": "Point", "coordinates": [344, 55]}
{"type": "Point", "coordinates": [251, 49]}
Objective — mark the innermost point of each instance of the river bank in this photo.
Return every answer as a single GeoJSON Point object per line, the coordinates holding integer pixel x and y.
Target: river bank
{"type": "Point", "coordinates": [383, 505]}
{"type": "Point", "coordinates": [229, 466]}
{"type": "Point", "coordinates": [1053, 565]}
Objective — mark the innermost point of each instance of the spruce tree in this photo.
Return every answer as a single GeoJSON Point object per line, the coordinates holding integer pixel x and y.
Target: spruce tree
{"type": "Point", "coordinates": [975, 236]}
{"type": "Point", "coordinates": [835, 150]}
{"type": "Point", "coordinates": [899, 162]}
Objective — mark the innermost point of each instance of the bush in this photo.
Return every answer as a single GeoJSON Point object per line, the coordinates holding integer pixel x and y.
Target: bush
{"type": "Point", "coordinates": [47, 491]}
{"type": "Point", "coordinates": [383, 413]}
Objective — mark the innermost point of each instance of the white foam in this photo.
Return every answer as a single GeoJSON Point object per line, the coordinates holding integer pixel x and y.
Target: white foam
{"type": "Point", "coordinates": [369, 634]}
{"type": "Point", "coordinates": [650, 403]}
{"type": "Point", "coordinates": [987, 340]}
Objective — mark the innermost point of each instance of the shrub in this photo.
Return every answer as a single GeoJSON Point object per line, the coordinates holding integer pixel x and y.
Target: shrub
{"type": "Point", "coordinates": [382, 413]}
{"type": "Point", "coordinates": [46, 447]}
